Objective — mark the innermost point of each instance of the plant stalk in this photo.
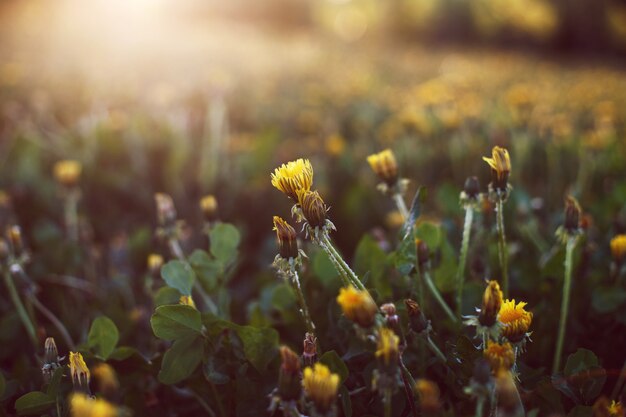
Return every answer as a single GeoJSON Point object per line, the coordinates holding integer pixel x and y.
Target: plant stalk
{"type": "Point", "coordinates": [435, 292]}
{"type": "Point", "coordinates": [409, 383]}
{"type": "Point", "coordinates": [502, 248]}
{"type": "Point", "coordinates": [19, 307]}
{"type": "Point", "coordinates": [567, 285]}
{"type": "Point", "coordinates": [387, 402]}
{"type": "Point", "coordinates": [460, 273]}
{"type": "Point", "coordinates": [351, 275]}
{"type": "Point", "coordinates": [71, 213]}
{"type": "Point", "coordinates": [397, 198]}
{"type": "Point", "coordinates": [342, 272]}
{"type": "Point", "coordinates": [480, 402]}
{"type": "Point", "coordinates": [436, 350]}
{"type": "Point", "coordinates": [53, 319]}
{"type": "Point", "coordinates": [304, 310]}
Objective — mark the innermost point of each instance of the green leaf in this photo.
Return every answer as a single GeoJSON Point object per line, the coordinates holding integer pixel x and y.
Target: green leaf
{"type": "Point", "coordinates": [335, 364]}
{"type": "Point", "coordinates": [207, 269]}
{"type": "Point", "coordinates": [124, 352]}
{"type": "Point", "coordinates": [224, 239]}
{"type": "Point", "coordinates": [346, 404]}
{"type": "Point", "coordinates": [181, 360]}
{"type": "Point", "coordinates": [34, 403]}
{"type": "Point", "coordinates": [323, 269]}
{"type": "Point", "coordinates": [179, 275]}
{"type": "Point", "coordinates": [172, 322]}
{"type": "Point", "coordinates": [167, 295]}
{"type": "Point", "coordinates": [103, 336]}
{"type": "Point", "coordinates": [581, 360]}
{"type": "Point", "coordinates": [415, 211]}
{"type": "Point", "coordinates": [370, 257]}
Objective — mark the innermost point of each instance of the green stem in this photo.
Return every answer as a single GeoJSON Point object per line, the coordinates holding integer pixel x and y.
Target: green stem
{"type": "Point", "coordinates": [304, 310]}
{"type": "Point", "coordinates": [351, 275]}
{"type": "Point", "coordinates": [21, 311]}
{"type": "Point", "coordinates": [436, 350]}
{"type": "Point", "coordinates": [480, 402]}
{"type": "Point", "coordinates": [435, 292]}
{"type": "Point", "coordinates": [409, 385]}
{"type": "Point", "coordinates": [567, 285]}
{"type": "Point", "coordinates": [397, 198]}
{"type": "Point", "coordinates": [387, 402]}
{"type": "Point", "coordinates": [460, 273]}
{"type": "Point", "coordinates": [203, 404]}
{"type": "Point", "coordinates": [54, 320]}
{"type": "Point", "coordinates": [71, 213]}
{"type": "Point", "coordinates": [218, 400]}
{"type": "Point", "coordinates": [502, 249]}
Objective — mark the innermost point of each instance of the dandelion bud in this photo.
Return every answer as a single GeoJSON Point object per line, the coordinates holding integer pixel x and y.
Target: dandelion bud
{"type": "Point", "coordinates": [106, 378]}
{"type": "Point", "coordinates": [515, 319]}
{"type": "Point", "coordinates": [417, 320]}
{"type": "Point", "coordinates": [618, 248]}
{"type": "Point", "coordinates": [492, 302]}
{"type": "Point", "coordinates": [385, 166]}
{"type": "Point", "coordinates": [357, 306]}
{"type": "Point", "coordinates": [82, 405]}
{"type": "Point", "coordinates": [155, 262]}
{"type": "Point", "coordinates": [292, 177]}
{"type": "Point", "coordinates": [289, 386]}
{"type": "Point", "coordinates": [389, 310]}
{"type": "Point", "coordinates": [313, 208]}
{"type": "Point", "coordinates": [388, 352]}
{"type": "Point", "coordinates": [428, 393]}
{"type": "Point", "coordinates": [50, 359]}
{"type": "Point", "coordinates": [423, 253]}
{"type": "Point", "coordinates": [309, 354]}
{"type": "Point", "coordinates": [15, 237]}
{"type": "Point", "coordinates": [472, 187]}
{"type": "Point", "coordinates": [79, 372]}
{"type": "Point", "coordinates": [186, 300]}
{"type": "Point", "coordinates": [321, 387]}
{"type": "Point", "coordinates": [208, 205]}
{"type": "Point", "coordinates": [500, 164]}
{"type": "Point", "coordinates": [286, 235]}
{"type": "Point", "coordinates": [572, 215]}
{"type": "Point", "coordinates": [67, 172]}
{"type": "Point", "coordinates": [500, 356]}
{"type": "Point", "coordinates": [166, 212]}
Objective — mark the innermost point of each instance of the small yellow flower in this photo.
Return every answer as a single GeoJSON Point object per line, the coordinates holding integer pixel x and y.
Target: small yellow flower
{"type": "Point", "coordinates": [286, 235]}
{"type": "Point", "coordinates": [186, 300]}
{"type": "Point", "coordinates": [616, 409]}
{"type": "Point", "coordinates": [67, 172]}
{"type": "Point", "coordinates": [208, 205]}
{"type": "Point", "coordinates": [618, 247]}
{"type": "Point", "coordinates": [500, 356]}
{"type": "Point", "coordinates": [82, 405]}
{"type": "Point", "coordinates": [357, 305]}
{"type": "Point", "coordinates": [500, 164]}
{"type": "Point", "coordinates": [320, 386]}
{"type": "Point", "coordinates": [313, 207]}
{"type": "Point", "coordinates": [492, 302]}
{"type": "Point", "coordinates": [166, 211]}
{"type": "Point", "coordinates": [385, 166]}
{"type": "Point", "coordinates": [105, 375]}
{"type": "Point", "coordinates": [388, 343]}
{"type": "Point", "coordinates": [515, 319]}
{"type": "Point", "coordinates": [155, 262]}
{"type": "Point", "coordinates": [79, 372]}
{"type": "Point", "coordinates": [292, 177]}
{"type": "Point", "coordinates": [428, 393]}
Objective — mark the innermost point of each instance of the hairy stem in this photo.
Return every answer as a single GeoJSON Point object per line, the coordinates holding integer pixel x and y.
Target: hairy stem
{"type": "Point", "coordinates": [435, 292]}
{"type": "Point", "coordinates": [397, 198]}
{"type": "Point", "coordinates": [304, 310]}
{"type": "Point", "coordinates": [460, 273]}
{"type": "Point", "coordinates": [502, 248]}
{"type": "Point", "coordinates": [387, 402]}
{"type": "Point", "coordinates": [567, 285]}
{"type": "Point", "coordinates": [351, 275]}
{"type": "Point", "coordinates": [342, 272]}
{"type": "Point", "coordinates": [19, 307]}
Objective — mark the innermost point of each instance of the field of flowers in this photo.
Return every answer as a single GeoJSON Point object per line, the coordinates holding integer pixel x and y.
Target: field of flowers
{"type": "Point", "coordinates": [384, 231]}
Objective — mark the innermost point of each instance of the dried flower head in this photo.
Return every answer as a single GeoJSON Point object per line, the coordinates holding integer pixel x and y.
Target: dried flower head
{"type": "Point", "coordinates": [79, 372]}
{"type": "Point", "coordinates": [320, 386]}
{"type": "Point", "coordinates": [309, 351]}
{"type": "Point", "coordinates": [166, 212]}
{"type": "Point", "coordinates": [516, 321]}
{"type": "Point", "coordinates": [51, 359]}
{"type": "Point", "coordinates": [67, 172]}
{"type": "Point", "coordinates": [208, 205]}
{"type": "Point", "coordinates": [286, 235]}
{"type": "Point", "coordinates": [428, 393]}
{"type": "Point", "coordinates": [313, 208]}
{"type": "Point", "coordinates": [618, 248]}
{"type": "Point", "coordinates": [492, 302]}
{"type": "Point", "coordinates": [186, 300]}
{"type": "Point", "coordinates": [82, 405]}
{"type": "Point", "coordinates": [572, 215]}
{"type": "Point", "coordinates": [472, 187]}
{"type": "Point", "coordinates": [500, 164]}
{"type": "Point", "coordinates": [358, 306]}
{"type": "Point", "coordinates": [289, 386]}
{"type": "Point", "coordinates": [500, 356]}
{"type": "Point", "coordinates": [385, 166]}
{"type": "Point", "coordinates": [292, 177]}
{"type": "Point", "coordinates": [106, 378]}
{"type": "Point", "coordinates": [417, 320]}
{"type": "Point", "coordinates": [388, 347]}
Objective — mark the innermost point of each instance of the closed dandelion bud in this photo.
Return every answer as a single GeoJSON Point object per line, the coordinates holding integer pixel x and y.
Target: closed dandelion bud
{"type": "Point", "coordinates": [572, 215]}
{"type": "Point", "coordinates": [155, 262]}
{"type": "Point", "coordinates": [492, 302]}
{"type": "Point", "coordinates": [82, 405]}
{"type": "Point", "coordinates": [313, 208]}
{"type": "Point", "coordinates": [186, 300]}
{"type": "Point", "coordinates": [423, 253]}
{"type": "Point", "coordinates": [387, 351]}
{"type": "Point", "coordinates": [106, 378]}
{"type": "Point", "coordinates": [289, 385]}
{"type": "Point", "coordinates": [428, 393]}
{"type": "Point", "coordinates": [500, 164]}
{"type": "Point", "coordinates": [79, 372]}
{"type": "Point", "coordinates": [515, 319]}
{"type": "Point", "coordinates": [417, 320]}
{"type": "Point", "coordinates": [500, 356]}
{"type": "Point", "coordinates": [166, 212]}
{"type": "Point", "coordinates": [618, 248]}
{"type": "Point", "coordinates": [67, 172]}
{"type": "Point", "coordinates": [286, 235]}
{"type": "Point", "coordinates": [309, 352]}
{"type": "Point", "coordinates": [385, 166]}
{"type": "Point", "coordinates": [292, 177]}
{"type": "Point", "coordinates": [320, 386]}
{"type": "Point", "coordinates": [208, 205]}
{"type": "Point", "coordinates": [357, 306]}
{"type": "Point", "coordinates": [472, 188]}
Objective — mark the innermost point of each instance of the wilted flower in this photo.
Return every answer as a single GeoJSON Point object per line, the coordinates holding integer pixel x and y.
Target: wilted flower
{"type": "Point", "coordinates": [67, 172]}
{"type": "Point", "coordinates": [417, 320]}
{"type": "Point", "coordinates": [292, 177]}
{"type": "Point", "coordinates": [106, 378]}
{"type": "Point", "coordinates": [208, 205]}
{"type": "Point", "coordinates": [82, 405]}
{"type": "Point", "coordinates": [391, 318]}
{"type": "Point", "coordinates": [500, 164]}
{"type": "Point", "coordinates": [79, 372]}
{"type": "Point", "coordinates": [428, 393]}
{"type": "Point", "coordinates": [385, 166]}
{"type": "Point", "coordinates": [500, 356]}
{"type": "Point", "coordinates": [289, 386]}
{"type": "Point", "coordinates": [358, 306]}
{"type": "Point", "coordinates": [186, 300]}
{"type": "Point", "coordinates": [492, 302]}
{"type": "Point", "coordinates": [388, 347]}
{"type": "Point", "coordinates": [618, 248]}
{"type": "Point", "coordinates": [320, 386]}
{"type": "Point", "coordinates": [51, 359]}
{"type": "Point", "coordinates": [516, 321]}
{"type": "Point", "coordinates": [572, 215]}
{"type": "Point", "coordinates": [286, 235]}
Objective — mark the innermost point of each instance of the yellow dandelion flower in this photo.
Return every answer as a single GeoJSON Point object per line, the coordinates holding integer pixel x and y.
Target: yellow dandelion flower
{"type": "Point", "coordinates": [500, 356]}
{"type": "Point", "coordinates": [208, 205]}
{"type": "Point", "coordinates": [105, 375]}
{"type": "Point", "coordinates": [67, 172]}
{"type": "Point", "coordinates": [616, 409]}
{"type": "Point", "coordinates": [186, 300]}
{"type": "Point", "coordinates": [154, 262]}
{"type": "Point", "coordinates": [492, 302]}
{"type": "Point", "coordinates": [500, 164]}
{"type": "Point", "coordinates": [618, 247]}
{"type": "Point", "coordinates": [385, 166]}
{"type": "Point", "coordinates": [79, 372]}
{"type": "Point", "coordinates": [428, 393]}
{"type": "Point", "coordinates": [388, 343]}
{"type": "Point", "coordinates": [357, 305]}
{"type": "Point", "coordinates": [286, 235]}
{"type": "Point", "coordinates": [515, 319]}
{"type": "Point", "coordinates": [293, 176]}
{"type": "Point", "coordinates": [320, 386]}
{"type": "Point", "coordinates": [82, 405]}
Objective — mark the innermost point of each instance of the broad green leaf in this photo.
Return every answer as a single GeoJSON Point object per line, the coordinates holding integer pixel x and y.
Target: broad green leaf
{"type": "Point", "coordinates": [171, 322]}
{"type": "Point", "coordinates": [224, 238]}
{"type": "Point", "coordinates": [335, 364]}
{"type": "Point", "coordinates": [581, 360]}
{"type": "Point", "coordinates": [179, 275]}
{"type": "Point", "coordinates": [167, 295]}
{"type": "Point", "coordinates": [34, 403]}
{"type": "Point", "coordinates": [181, 360]}
{"type": "Point", "coordinates": [103, 336]}
{"type": "Point", "coordinates": [206, 268]}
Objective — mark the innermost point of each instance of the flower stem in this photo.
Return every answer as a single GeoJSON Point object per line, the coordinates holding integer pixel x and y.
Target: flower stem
{"type": "Point", "coordinates": [342, 272]}
{"type": "Point", "coordinates": [351, 275]}
{"type": "Point", "coordinates": [409, 383]}
{"type": "Point", "coordinates": [71, 213]}
{"type": "Point", "coordinates": [387, 402]}
{"type": "Point", "coordinates": [436, 350]}
{"type": "Point", "coordinates": [567, 285]}
{"type": "Point", "coordinates": [460, 273]}
{"type": "Point", "coordinates": [480, 402]}
{"type": "Point", "coordinates": [502, 249]}
{"type": "Point", "coordinates": [435, 292]}
{"type": "Point", "coordinates": [19, 306]}
{"type": "Point", "coordinates": [53, 319]}
{"type": "Point", "coordinates": [397, 198]}
{"type": "Point", "coordinates": [304, 310]}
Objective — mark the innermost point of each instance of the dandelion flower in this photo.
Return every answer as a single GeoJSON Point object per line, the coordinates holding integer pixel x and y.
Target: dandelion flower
{"type": "Point", "coordinates": [358, 306]}
{"type": "Point", "coordinates": [320, 386]}
{"type": "Point", "coordinates": [292, 177]}
{"type": "Point", "coordinates": [516, 321]}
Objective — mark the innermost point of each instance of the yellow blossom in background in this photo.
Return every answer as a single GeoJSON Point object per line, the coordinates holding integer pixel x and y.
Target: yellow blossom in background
{"type": "Point", "coordinates": [292, 177]}
{"type": "Point", "coordinates": [79, 372]}
{"type": "Point", "coordinates": [388, 346]}
{"type": "Point", "coordinates": [186, 300]}
{"type": "Point", "coordinates": [106, 377]}
{"type": "Point", "coordinates": [618, 247]}
{"type": "Point", "coordinates": [82, 405]}
{"type": "Point", "coordinates": [357, 306]}
{"type": "Point", "coordinates": [335, 145]}
{"type": "Point", "coordinates": [154, 262]}
{"type": "Point", "coordinates": [208, 205]}
{"type": "Point", "coordinates": [616, 409]}
{"type": "Point", "coordinates": [500, 356]}
{"type": "Point", "coordinates": [515, 319]}
{"type": "Point", "coordinates": [320, 386]}
{"type": "Point", "coordinates": [385, 166]}
{"type": "Point", "coordinates": [67, 172]}
{"type": "Point", "coordinates": [428, 393]}
{"type": "Point", "coordinates": [500, 164]}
